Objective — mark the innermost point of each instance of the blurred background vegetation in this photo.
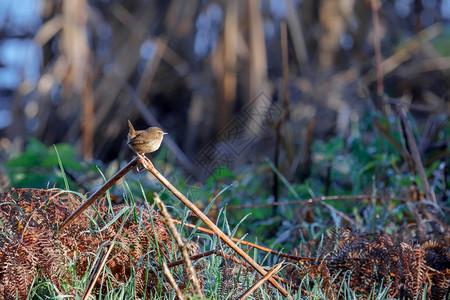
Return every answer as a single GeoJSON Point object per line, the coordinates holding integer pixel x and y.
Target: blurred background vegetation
{"type": "Point", "coordinates": [304, 85]}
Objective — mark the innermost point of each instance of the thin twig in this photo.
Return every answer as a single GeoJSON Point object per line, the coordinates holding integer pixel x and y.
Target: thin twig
{"type": "Point", "coordinates": [243, 263]}
{"type": "Point", "coordinates": [193, 257]}
{"type": "Point", "coordinates": [181, 245]}
{"type": "Point", "coordinates": [220, 253]}
{"type": "Point", "coordinates": [102, 260]}
{"type": "Point", "coordinates": [406, 152]}
{"type": "Point", "coordinates": [386, 132]}
{"type": "Point", "coordinates": [172, 281]}
{"type": "Point", "coordinates": [342, 215]}
{"type": "Point", "coordinates": [97, 270]}
{"type": "Point", "coordinates": [149, 166]}
{"type": "Point", "coordinates": [411, 141]}
{"type": "Point", "coordinates": [99, 192]}
{"type": "Point", "coordinates": [310, 200]}
{"type": "Point", "coordinates": [262, 248]}
{"type": "Point", "coordinates": [261, 281]}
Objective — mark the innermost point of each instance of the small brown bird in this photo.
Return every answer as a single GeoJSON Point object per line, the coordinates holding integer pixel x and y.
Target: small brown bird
{"type": "Point", "coordinates": [145, 141]}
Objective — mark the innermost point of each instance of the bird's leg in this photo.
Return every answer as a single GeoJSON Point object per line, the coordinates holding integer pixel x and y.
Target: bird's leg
{"type": "Point", "coordinates": [144, 158]}
{"type": "Point", "coordinates": [141, 156]}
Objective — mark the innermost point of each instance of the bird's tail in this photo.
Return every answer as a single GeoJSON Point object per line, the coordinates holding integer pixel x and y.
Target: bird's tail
{"type": "Point", "coordinates": [132, 132]}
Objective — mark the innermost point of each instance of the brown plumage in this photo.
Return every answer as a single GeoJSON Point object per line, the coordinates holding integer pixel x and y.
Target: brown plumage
{"type": "Point", "coordinates": [145, 141]}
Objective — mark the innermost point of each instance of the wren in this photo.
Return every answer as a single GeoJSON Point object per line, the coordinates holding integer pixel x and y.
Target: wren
{"type": "Point", "coordinates": [145, 141]}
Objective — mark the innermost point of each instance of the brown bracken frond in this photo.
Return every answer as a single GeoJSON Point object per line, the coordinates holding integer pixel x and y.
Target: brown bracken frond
{"type": "Point", "coordinates": [30, 246]}
{"type": "Point", "coordinates": [375, 263]}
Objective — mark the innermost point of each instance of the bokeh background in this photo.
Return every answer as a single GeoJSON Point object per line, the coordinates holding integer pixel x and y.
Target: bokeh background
{"type": "Point", "coordinates": [231, 81]}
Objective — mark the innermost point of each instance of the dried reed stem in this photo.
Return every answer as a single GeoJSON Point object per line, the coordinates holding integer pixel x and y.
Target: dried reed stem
{"type": "Point", "coordinates": [99, 192]}
{"type": "Point", "coordinates": [102, 262]}
{"type": "Point", "coordinates": [172, 281]}
{"type": "Point", "coordinates": [411, 141]}
{"type": "Point", "coordinates": [149, 166]}
{"type": "Point", "coordinates": [167, 219]}
{"type": "Point", "coordinates": [193, 257]}
{"type": "Point", "coordinates": [261, 281]}
{"type": "Point", "coordinates": [303, 201]}
{"type": "Point", "coordinates": [97, 270]}
{"type": "Point", "coordinates": [243, 263]}
{"type": "Point", "coordinates": [262, 248]}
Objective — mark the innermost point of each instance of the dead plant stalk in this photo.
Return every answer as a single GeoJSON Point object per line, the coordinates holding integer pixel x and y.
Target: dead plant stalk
{"type": "Point", "coordinates": [149, 166]}
{"type": "Point", "coordinates": [99, 193]}
{"type": "Point", "coordinates": [261, 281]}
{"type": "Point", "coordinates": [172, 281]}
{"type": "Point", "coordinates": [414, 152]}
{"type": "Point", "coordinates": [181, 245]}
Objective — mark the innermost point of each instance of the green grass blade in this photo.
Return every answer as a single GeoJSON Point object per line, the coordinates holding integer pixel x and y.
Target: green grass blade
{"type": "Point", "coordinates": [66, 182]}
